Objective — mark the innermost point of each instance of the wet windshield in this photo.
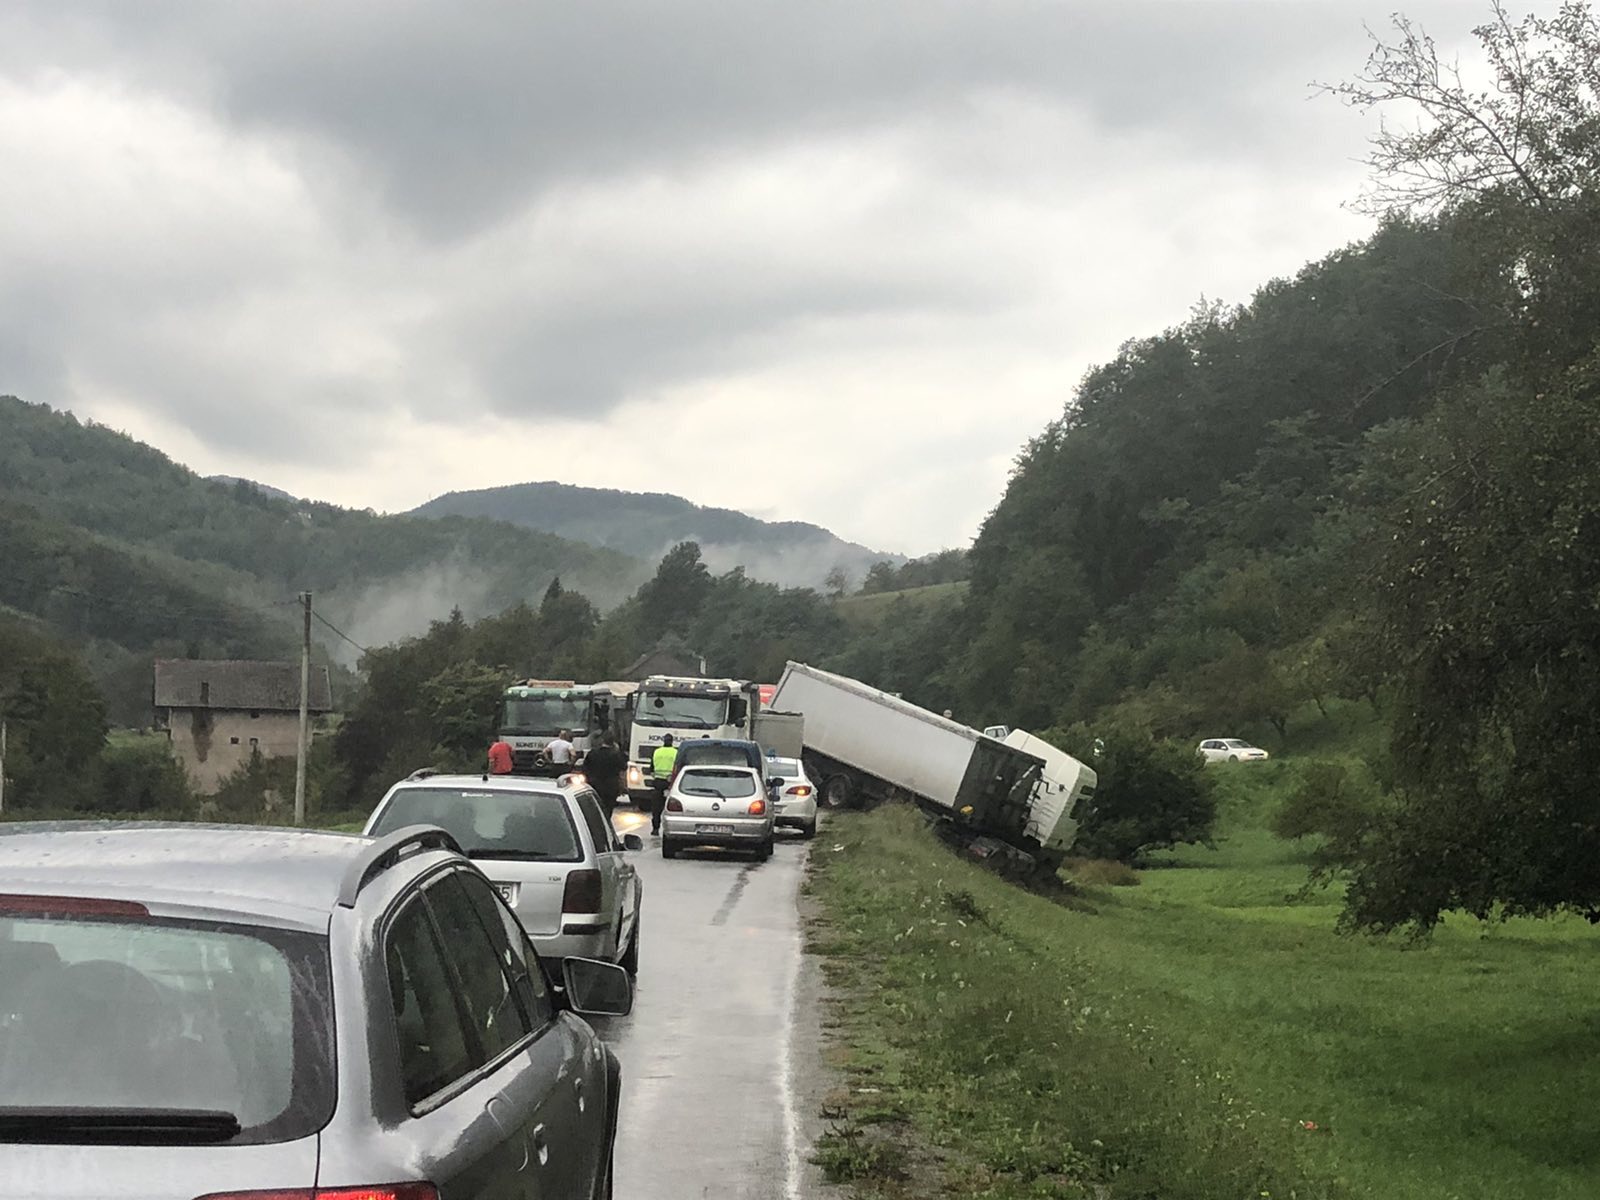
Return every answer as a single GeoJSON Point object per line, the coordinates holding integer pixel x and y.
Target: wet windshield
{"type": "Point", "coordinates": [681, 712]}
{"type": "Point", "coordinates": [546, 715]}
{"type": "Point", "coordinates": [146, 1015]}
{"type": "Point", "coordinates": [489, 824]}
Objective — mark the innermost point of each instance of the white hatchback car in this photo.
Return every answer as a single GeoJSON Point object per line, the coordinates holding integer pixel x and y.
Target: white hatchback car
{"type": "Point", "coordinates": [1231, 750]}
{"type": "Point", "coordinates": [796, 803]}
{"type": "Point", "coordinates": [724, 806]}
{"type": "Point", "coordinates": [546, 845]}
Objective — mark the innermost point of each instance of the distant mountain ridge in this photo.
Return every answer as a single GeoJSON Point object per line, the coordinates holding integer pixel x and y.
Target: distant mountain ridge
{"type": "Point", "coordinates": [646, 524]}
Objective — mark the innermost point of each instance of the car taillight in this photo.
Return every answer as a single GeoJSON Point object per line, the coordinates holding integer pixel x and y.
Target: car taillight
{"type": "Point", "coordinates": [71, 906]}
{"type": "Point", "coordinates": [799, 791]}
{"type": "Point", "coordinates": [674, 805]}
{"type": "Point", "coordinates": [582, 894]}
{"type": "Point", "coordinates": [384, 1191]}
{"type": "Point", "coordinates": [757, 807]}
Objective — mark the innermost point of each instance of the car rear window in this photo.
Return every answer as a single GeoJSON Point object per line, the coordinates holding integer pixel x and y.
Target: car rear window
{"type": "Point", "coordinates": [728, 784]}
{"type": "Point", "coordinates": [716, 756]}
{"type": "Point", "coordinates": [149, 1014]}
{"type": "Point", "coordinates": [786, 768]}
{"type": "Point", "coordinates": [489, 824]}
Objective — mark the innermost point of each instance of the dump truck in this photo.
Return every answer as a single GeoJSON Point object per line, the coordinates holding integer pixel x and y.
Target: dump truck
{"type": "Point", "coordinates": [1015, 797]}
{"type": "Point", "coordinates": [533, 711]}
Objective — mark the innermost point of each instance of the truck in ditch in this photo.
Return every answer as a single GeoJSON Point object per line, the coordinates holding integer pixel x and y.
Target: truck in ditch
{"type": "Point", "coordinates": [1015, 798]}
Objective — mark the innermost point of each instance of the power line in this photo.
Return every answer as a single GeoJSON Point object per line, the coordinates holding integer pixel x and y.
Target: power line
{"type": "Point", "coordinates": [340, 632]}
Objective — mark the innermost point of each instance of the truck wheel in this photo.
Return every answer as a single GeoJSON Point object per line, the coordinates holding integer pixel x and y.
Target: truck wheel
{"type": "Point", "coordinates": [839, 791]}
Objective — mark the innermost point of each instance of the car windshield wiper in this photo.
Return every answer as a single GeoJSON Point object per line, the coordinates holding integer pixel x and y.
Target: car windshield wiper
{"type": "Point", "coordinates": [542, 855]}
{"type": "Point", "coordinates": [121, 1126]}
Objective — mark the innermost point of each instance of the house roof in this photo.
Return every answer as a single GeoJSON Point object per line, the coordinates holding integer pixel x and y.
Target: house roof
{"type": "Point", "coordinates": [232, 684]}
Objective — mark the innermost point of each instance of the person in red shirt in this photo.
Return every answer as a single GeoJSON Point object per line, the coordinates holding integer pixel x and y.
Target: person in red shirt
{"type": "Point", "coordinates": [500, 758]}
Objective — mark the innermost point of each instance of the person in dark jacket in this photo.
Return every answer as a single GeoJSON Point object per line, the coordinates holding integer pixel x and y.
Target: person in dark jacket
{"type": "Point", "coordinates": [605, 766]}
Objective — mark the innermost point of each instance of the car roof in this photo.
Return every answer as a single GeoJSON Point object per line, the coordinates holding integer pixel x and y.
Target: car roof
{"type": "Point", "coordinates": [486, 783]}
{"type": "Point", "coordinates": [276, 876]}
{"type": "Point", "coordinates": [742, 743]}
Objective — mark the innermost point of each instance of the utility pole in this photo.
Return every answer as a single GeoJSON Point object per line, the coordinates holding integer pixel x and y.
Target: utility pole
{"type": "Point", "coordinates": [2, 764]}
{"type": "Point", "coordinates": [305, 716]}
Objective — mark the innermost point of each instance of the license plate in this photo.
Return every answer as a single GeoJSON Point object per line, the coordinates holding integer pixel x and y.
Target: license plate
{"type": "Point", "coordinates": [508, 892]}
{"type": "Point", "coordinates": [713, 828]}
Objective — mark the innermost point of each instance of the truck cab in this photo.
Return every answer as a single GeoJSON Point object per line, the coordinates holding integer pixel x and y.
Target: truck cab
{"type": "Point", "coordinates": [533, 711]}
{"type": "Point", "coordinates": [687, 709]}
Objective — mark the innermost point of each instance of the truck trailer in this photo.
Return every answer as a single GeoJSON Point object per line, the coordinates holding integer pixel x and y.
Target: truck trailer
{"type": "Point", "coordinates": [863, 744]}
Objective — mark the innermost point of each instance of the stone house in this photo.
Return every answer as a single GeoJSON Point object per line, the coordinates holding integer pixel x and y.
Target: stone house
{"type": "Point", "coordinates": [217, 713]}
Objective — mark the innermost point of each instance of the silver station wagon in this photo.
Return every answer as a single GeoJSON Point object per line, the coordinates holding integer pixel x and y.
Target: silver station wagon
{"type": "Point", "coordinates": [546, 844]}
{"type": "Point", "coordinates": [204, 1011]}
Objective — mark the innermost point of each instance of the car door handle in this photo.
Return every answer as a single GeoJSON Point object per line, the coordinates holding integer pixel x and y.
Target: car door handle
{"type": "Point", "coordinates": [540, 1146]}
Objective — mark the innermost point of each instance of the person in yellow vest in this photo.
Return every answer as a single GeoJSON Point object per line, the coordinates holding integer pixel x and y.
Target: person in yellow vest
{"type": "Point", "coordinates": [661, 764]}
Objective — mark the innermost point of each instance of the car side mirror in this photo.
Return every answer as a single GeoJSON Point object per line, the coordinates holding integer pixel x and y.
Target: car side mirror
{"type": "Point", "coordinates": [597, 988]}
{"type": "Point", "coordinates": [632, 841]}
{"type": "Point", "coordinates": [775, 782]}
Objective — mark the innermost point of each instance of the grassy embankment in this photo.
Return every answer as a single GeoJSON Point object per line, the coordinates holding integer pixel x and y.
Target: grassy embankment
{"type": "Point", "coordinates": [867, 609]}
{"type": "Point", "coordinates": [1173, 1041]}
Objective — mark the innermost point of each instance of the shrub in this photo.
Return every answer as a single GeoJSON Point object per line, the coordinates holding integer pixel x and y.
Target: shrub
{"type": "Point", "coordinates": [1150, 795]}
{"type": "Point", "coordinates": [142, 777]}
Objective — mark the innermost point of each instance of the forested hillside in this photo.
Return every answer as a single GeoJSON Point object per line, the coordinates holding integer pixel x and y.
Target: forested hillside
{"type": "Point", "coordinates": [109, 539]}
{"type": "Point", "coordinates": [647, 524]}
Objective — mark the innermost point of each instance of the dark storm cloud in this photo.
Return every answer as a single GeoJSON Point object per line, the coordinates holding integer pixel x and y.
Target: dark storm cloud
{"type": "Point", "coordinates": [463, 111]}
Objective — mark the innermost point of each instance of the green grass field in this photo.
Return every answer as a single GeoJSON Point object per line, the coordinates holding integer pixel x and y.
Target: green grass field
{"type": "Point", "coordinates": [866, 610]}
{"type": "Point", "coordinates": [1176, 1040]}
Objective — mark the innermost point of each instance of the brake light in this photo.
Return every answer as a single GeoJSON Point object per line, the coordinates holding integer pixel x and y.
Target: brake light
{"type": "Point", "coordinates": [386, 1191]}
{"type": "Point", "coordinates": [757, 807]}
{"type": "Point", "coordinates": [582, 893]}
{"type": "Point", "coordinates": [73, 906]}
{"type": "Point", "coordinates": [799, 791]}
{"type": "Point", "coordinates": [674, 805]}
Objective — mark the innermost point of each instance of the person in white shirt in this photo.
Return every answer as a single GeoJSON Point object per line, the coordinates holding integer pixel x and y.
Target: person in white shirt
{"type": "Point", "coordinates": [559, 751]}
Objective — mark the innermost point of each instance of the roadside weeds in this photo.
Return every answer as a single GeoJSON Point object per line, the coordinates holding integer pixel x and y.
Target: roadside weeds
{"type": "Point", "coordinates": [972, 1066]}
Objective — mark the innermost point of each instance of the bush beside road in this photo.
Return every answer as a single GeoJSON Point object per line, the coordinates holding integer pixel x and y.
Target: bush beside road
{"type": "Point", "coordinates": [1205, 1035]}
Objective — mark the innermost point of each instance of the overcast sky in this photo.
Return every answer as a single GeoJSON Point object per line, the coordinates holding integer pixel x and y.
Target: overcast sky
{"type": "Point", "coordinates": [828, 261]}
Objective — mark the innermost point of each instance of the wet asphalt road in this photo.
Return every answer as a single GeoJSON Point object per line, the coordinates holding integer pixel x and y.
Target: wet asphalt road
{"type": "Point", "coordinates": [716, 1052]}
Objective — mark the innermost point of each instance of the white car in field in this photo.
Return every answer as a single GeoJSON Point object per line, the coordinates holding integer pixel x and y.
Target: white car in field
{"type": "Point", "coordinates": [1231, 750]}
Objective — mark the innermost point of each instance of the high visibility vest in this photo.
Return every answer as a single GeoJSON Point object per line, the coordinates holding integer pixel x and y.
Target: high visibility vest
{"type": "Point", "coordinates": [662, 760]}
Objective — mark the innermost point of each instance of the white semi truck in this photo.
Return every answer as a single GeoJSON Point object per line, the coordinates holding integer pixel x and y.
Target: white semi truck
{"type": "Point", "coordinates": [862, 743]}
{"type": "Point", "coordinates": [685, 708]}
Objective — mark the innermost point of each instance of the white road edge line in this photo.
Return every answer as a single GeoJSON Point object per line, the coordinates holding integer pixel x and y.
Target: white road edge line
{"type": "Point", "coordinates": [791, 1132]}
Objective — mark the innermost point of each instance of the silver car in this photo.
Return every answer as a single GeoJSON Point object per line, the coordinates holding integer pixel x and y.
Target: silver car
{"type": "Point", "coordinates": [548, 847]}
{"type": "Point", "coordinates": [210, 1011]}
{"type": "Point", "coordinates": [722, 806]}
{"type": "Point", "coordinates": [795, 805]}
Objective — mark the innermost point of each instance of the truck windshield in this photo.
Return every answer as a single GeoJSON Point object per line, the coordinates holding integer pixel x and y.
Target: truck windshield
{"type": "Point", "coordinates": [545, 715]}
{"type": "Point", "coordinates": [681, 712]}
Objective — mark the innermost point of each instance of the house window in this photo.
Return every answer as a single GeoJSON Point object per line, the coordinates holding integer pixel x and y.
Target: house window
{"type": "Point", "coordinates": [255, 714]}
{"type": "Point", "coordinates": [233, 741]}
{"type": "Point", "coordinates": [255, 743]}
